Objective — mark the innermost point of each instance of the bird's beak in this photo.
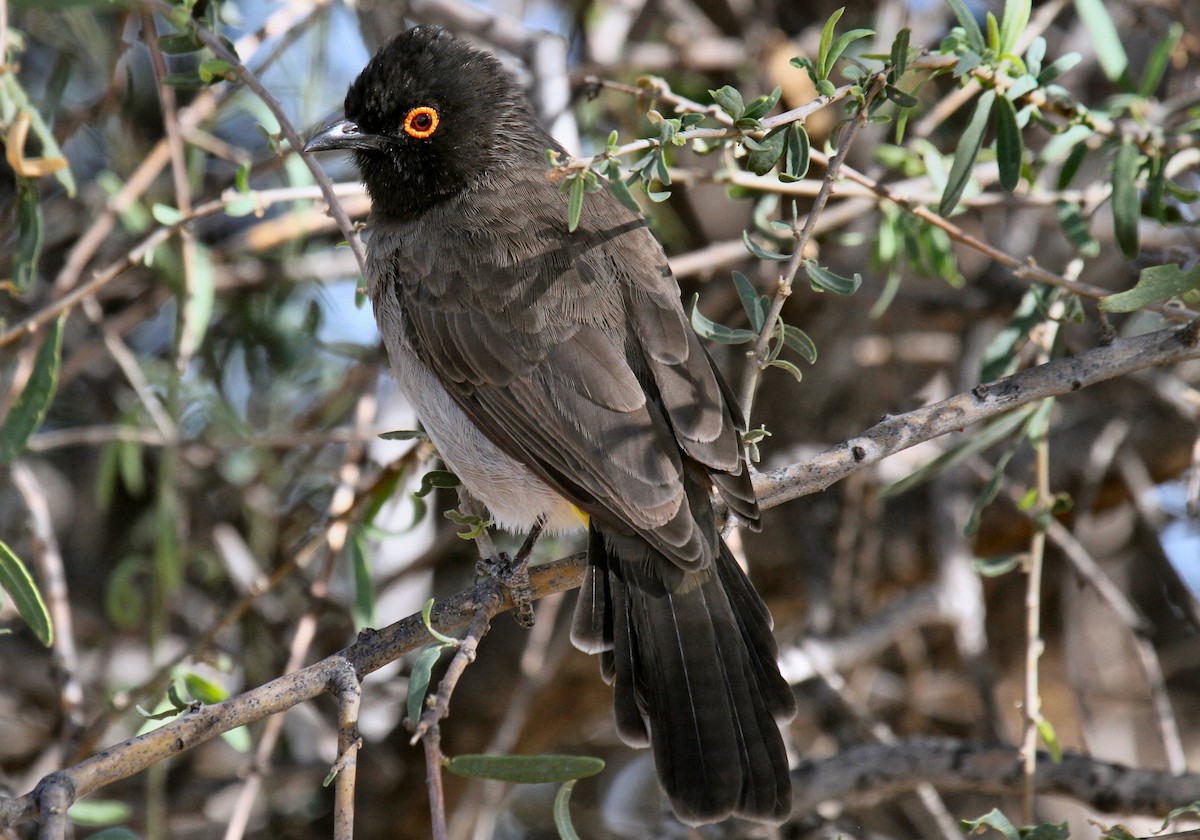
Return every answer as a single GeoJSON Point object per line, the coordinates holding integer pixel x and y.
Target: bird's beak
{"type": "Point", "coordinates": [342, 134]}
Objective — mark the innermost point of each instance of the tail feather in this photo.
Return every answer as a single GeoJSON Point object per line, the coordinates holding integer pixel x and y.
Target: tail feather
{"type": "Point", "coordinates": [692, 663]}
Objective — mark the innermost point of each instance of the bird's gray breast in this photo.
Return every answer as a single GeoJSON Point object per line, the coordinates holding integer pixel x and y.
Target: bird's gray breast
{"type": "Point", "coordinates": [515, 497]}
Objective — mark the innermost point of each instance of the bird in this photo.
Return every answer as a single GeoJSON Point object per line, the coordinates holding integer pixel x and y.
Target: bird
{"type": "Point", "coordinates": [557, 374]}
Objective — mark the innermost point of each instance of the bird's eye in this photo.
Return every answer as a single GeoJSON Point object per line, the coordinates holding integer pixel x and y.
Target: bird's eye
{"type": "Point", "coordinates": [421, 122]}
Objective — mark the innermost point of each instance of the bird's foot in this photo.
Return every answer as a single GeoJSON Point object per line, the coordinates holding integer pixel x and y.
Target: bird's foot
{"type": "Point", "coordinates": [513, 575]}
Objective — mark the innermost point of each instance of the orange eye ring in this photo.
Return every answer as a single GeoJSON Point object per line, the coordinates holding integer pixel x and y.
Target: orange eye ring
{"type": "Point", "coordinates": [421, 122]}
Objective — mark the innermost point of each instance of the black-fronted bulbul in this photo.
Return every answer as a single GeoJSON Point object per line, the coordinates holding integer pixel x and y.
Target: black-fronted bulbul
{"type": "Point", "coordinates": [558, 376]}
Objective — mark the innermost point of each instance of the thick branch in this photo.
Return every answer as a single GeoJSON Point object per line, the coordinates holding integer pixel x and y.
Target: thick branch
{"type": "Point", "coordinates": [864, 775]}
{"type": "Point", "coordinates": [895, 434]}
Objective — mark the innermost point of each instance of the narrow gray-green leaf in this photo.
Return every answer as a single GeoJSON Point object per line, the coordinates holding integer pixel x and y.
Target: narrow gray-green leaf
{"type": "Point", "coordinates": [798, 151]}
{"type": "Point", "coordinates": [967, 21]}
{"type": "Point", "coordinates": [575, 203]}
{"type": "Point", "coordinates": [562, 812]}
{"type": "Point", "coordinates": [18, 583]}
{"type": "Point", "coordinates": [968, 149]}
{"type": "Point", "coordinates": [1155, 284]}
{"type": "Point", "coordinates": [1071, 164]}
{"type": "Point", "coordinates": [30, 408]}
{"type": "Point", "coordinates": [843, 41]}
{"type": "Point", "coordinates": [1126, 204]}
{"type": "Point", "coordinates": [1016, 18]}
{"type": "Point", "coordinates": [526, 769]}
{"type": "Point", "coordinates": [770, 148]}
{"type": "Point", "coordinates": [798, 340]}
{"type": "Point", "coordinates": [730, 100]}
{"type": "Point", "coordinates": [1010, 149]}
{"type": "Point", "coordinates": [1157, 64]}
{"type": "Point", "coordinates": [991, 434]}
{"type": "Point", "coordinates": [418, 680]}
{"type": "Point", "coordinates": [1050, 739]}
{"type": "Point", "coordinates": [823, 63]}
{"type": "Point", "coordinates": [823, 278]}
{"type": "Point", "coordinates": [1076, 229]}
{"type": "Point", "coordinates": [752, 302]}
{"type": "Point", "coordinates": [712, 331]}
{"type": "Point", "coordinates": [31, 234]}
{"type": "Point", "coordinates": [1106, 40]}
{"type": "Point", "coordinates": [761, 252]}
{"type": "Point", "coordinates": [364, 582]}
{"type": "Point", "coordinates": [992, 819]}
{"type": "Point", "coordinates": [784, 364]}
{"type": "Point", "coordinates": [997, 566]}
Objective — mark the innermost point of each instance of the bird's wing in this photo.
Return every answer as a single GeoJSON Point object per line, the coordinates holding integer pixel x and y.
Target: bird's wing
{"type": "Point", "coordinates": [572, 353]}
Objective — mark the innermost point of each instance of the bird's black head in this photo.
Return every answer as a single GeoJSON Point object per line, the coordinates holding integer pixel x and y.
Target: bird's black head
{"type": "Point", "coordinates": [428, 117]}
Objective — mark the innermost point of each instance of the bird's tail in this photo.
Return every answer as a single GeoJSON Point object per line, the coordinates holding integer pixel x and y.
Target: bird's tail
{"type": "Point", "coordinates": [691, 659]}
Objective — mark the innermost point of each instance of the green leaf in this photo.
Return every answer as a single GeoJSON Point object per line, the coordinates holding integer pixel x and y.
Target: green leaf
{"type": "Point", "coordinates": [1000, 355]}
{"type": "Point", "coordinates": [762, 105]}
{"type": "Point", "coordinates": [525, 769]}
{"type": "Point", "coordinates": [992, 819]}
{"type": "Point", "coordinates": [762, 160]}
{"type": "Point", "coordinates": [968, 149]}
{"type": "Point", "coordinates": [752, 302]}
{"type": "Point", "coordinates": [1126, 206]}
{"type": "Point", "coordinates": [967, 21]}
{"type": "Point", "coordinates": [418, 680]}
{"type": "Point", "coordinates": [562, 812]}
{"type": "Point", "coordinates": [442, 479]}
{"type": "Point", "coordinates": [784, 364]}
{"type": "Point", "coordinates": [824, 279]}
{"type": "Point", "coordinates": [899, 53]}
{"type": "Point", "coordinates": [575, 203]}
{"type": "Point", "coordinates": [823, 63]}
{"type": "Point", "coordinates": [844, 40]}
{"type": "Point", "coordinates": [712, 331]}
{"type": "Point", "coordinates": [1187, 810]}
{"type": "Point", "coordinates": [204, 689]}
{"type": "Point", "coordinates": [166, 215]}
{"type": "Point", "coordinates": [989, 435]}
{"type": "Point", "coordinates": [730, 100]}
{"type": "Point", "coordinates": [1050, 739]}
{"type": "Point", "coordinates": [242, 178]}
{"type": "Point", "coordinates": [114, 833]}
{"type": "Point", "coordinates": [30, 234]}
{"type": "Point", "coordinates": [1071, 164]}
{"type": "Point", "coordinates": [1010, 149]}
{"type": "Point", "coordinates": [213, 70]}
{"type": "Point", "coordinates": [902, 99]}
{"type": "Point", "coordinates": [1034, 56]}
{"type": "Point", "coordinates": [183, 80]}
{"type": "Point", "coordinates": [179, 42]}
{"type": "Point", "coordinates": [1076, 228]}
{"type": "Point", "coordinates": [798, 340]}
{"type": "Point", "coordinates": [98, 812]}
{"type": "Point", "coordinates": [1046, 831]}
{"type": "Point", "coordinates": [993, 33]}
{"type": "Point", "coordinates": [761, 252]}
{"type": "Point", "coordinates": [18, 583]}
{"type": "Point", "coordinates": [1106, 41]}
{"type": "Point", "coordinates": [1156, 66]}
{"type": "Point", "coordinates": [403, 434]}
{"type": "Point", "coordinates": [427, 620]}
{"type": "Point", "coordinates": [30, 408]}
{"type": "Point", "coordinates": [1060, 66]}
{"type": "Point", "coordinates": [998, 566]}
{"type": "Point", "coordinates": [363, 610]}
{"type": "Point", "coordinates": [1016, 18]}
{"type": "Point", "coordinates": [1156, 283]}
{"type": "Point", "coordinates": [798, 152]}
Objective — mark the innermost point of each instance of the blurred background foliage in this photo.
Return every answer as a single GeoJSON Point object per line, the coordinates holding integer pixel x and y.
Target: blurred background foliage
{"type": "Point", "coordinates": [192, 469]}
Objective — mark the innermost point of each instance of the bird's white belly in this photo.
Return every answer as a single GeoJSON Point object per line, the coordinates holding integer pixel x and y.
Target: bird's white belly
{"type": "Point", "coordinates": [516, 497]}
